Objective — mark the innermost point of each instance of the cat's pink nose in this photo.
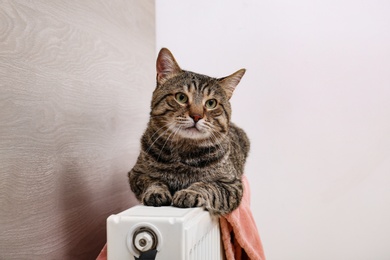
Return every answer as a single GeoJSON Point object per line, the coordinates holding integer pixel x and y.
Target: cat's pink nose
{"type": "Point", "coordinates": [196, 117]}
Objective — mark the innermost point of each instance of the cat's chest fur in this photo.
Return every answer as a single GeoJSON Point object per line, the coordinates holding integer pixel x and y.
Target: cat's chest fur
{"type": "Point", "coordinates": [178, 168]}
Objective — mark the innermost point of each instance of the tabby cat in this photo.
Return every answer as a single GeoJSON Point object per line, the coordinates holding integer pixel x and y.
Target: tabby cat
{"type": "Point", "coordinates": [191, 154]}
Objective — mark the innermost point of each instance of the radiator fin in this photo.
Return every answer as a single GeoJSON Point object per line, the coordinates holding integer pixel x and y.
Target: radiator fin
{"type": "Point", "coordinates": [208, 247]}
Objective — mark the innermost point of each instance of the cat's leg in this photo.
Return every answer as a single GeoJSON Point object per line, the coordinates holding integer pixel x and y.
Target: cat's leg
{"type": "Point", "coordinates": [149, 191]}
{"type": "Point", "coordinates": [189, 198]}
{"type": "Point", "coordinates": [157, 195]}
{"type": "Point", "coordinates": [219, 198]}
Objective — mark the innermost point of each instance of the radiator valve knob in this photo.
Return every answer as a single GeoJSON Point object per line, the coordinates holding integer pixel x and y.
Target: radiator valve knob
{"type": "Point", "coordinates": [144, 241]}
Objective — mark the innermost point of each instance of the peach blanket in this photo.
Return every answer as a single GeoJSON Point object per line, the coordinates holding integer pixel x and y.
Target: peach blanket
{"type": "Point", "coordinates": [240, 237]}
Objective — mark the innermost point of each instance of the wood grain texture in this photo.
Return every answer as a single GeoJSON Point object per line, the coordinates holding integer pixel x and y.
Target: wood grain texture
{"type": "Point", "coordinates": [75, 88]}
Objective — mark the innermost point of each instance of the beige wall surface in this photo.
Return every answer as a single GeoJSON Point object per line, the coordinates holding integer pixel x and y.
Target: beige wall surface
{"type": "Point", "coordinates": [76, 79]}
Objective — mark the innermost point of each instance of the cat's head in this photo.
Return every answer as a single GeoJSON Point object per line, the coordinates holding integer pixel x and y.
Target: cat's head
{"type": "Point", "coordinates": [190, 105]}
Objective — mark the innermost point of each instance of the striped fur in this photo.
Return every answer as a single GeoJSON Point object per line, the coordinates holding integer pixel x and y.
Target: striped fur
{"type": "Point", "coordinates": [191, 154]}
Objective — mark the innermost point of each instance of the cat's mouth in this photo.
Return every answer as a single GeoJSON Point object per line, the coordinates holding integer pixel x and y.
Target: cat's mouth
{"type": "Point", "coordinates": [193, 132]}
{"type": "Point", "coordinates": [193, 129]}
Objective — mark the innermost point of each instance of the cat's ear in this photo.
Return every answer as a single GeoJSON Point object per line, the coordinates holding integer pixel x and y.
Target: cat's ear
{"type": "Point", "coordinates": [166, 66]}
{"type": "Point", "coordinates": [229, 83]}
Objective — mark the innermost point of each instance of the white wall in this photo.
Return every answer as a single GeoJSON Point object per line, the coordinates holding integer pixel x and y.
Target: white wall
{"type": "Point", "coordinates": [316, 104]}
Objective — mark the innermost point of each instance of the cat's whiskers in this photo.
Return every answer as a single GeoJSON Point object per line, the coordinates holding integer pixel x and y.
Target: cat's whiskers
{"type": "Point", "coordinates": [218, 143]}
{"type": "Point", "coordinates": [158, 137]}
{"type": "Point", "coordinates": [214, 139]}
{"type": "Point", "coordinates": [221, 137]}
{"type": "Point", "coordinates": [234, 142]}
{"type": "Point", "coordinates": [166, 125]}
{"type": "Point", "coordinates": [162, 148]}
{"type": "Point", "coordinates": [218, 138]}
{"type": "Point", "coordinates": [178, 129]}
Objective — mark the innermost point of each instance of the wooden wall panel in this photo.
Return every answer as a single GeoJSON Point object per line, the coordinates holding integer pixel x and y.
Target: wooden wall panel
{"type": "Point", "coordinates": [76, 79]}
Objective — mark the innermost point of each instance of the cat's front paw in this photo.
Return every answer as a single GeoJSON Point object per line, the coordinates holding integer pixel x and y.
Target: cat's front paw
{"type": "Point", "coordinates": [157, 197]}
{"type": "Point", "coordinates": [188, 199]}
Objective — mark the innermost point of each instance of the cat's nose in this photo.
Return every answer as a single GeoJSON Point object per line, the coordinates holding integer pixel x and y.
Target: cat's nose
{"type": "Point", "coordinates": [196, 117]}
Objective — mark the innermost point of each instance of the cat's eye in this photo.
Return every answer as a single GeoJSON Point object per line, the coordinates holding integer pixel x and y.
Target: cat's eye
{"type": "Point", "coordinates": [211, 103]}
{"type": "Point", "coordinates": [181, 97]}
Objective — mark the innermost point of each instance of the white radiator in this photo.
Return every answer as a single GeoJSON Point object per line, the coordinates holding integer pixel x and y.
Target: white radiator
{"type": "Point", "coordinates": [175, 234]}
